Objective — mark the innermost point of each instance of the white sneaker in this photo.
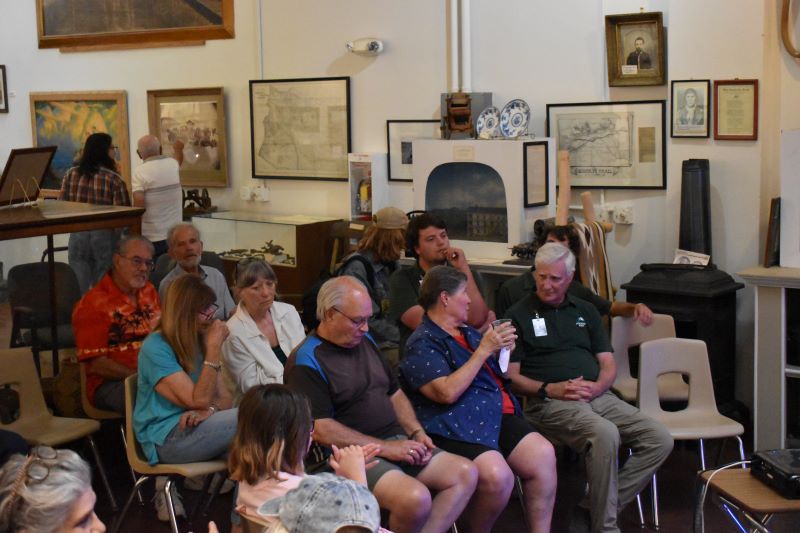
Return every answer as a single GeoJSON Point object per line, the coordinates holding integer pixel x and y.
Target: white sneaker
{"type": "Point", "coordinates": [160, 501]}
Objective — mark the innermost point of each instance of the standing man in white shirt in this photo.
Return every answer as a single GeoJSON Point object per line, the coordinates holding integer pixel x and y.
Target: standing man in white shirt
{"type": "Point", "coordinates": [156, 186]}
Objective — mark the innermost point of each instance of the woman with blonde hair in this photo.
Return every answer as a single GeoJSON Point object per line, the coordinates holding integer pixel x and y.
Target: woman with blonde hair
{"type": "Point", "coordinates": [378, 253]}
{"type": "Point", "coordinates": [183, 409]}
{"type": "Point", "coordinates": [275, 431]}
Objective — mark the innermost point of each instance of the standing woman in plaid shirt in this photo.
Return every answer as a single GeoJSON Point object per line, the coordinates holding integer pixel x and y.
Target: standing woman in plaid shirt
{"type": "Point", "coordinates": [95, 181]}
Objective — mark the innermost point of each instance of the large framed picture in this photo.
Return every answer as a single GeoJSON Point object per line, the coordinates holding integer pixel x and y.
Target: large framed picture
{"type": "Point", "coordinates": [192, 120]}
{"type": "Point", "coordinates": [91, 24]}
{"type": "Point", "coordinates": [535, 168]}
{"type": "Point", "coordinates": [300, 128]}
{"type": "Point", "coordinates": [736, 110]}
{"type": "Point", "coordinates": [399, 137]}
{"type": "Point", "coordinates": [612, 145]}
{"type": "Point", "coordinates": [66, 119]}
{"type": "Point", "coordinates": [635, 49]}
{"type": "Point", "coordinates": [3, 90]}
{"type": "Point", "coordinates": [690, 109]}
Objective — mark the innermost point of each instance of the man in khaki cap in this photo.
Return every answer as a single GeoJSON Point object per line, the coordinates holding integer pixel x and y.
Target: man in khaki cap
{"type": "Point", "coordinates": [374, 261]}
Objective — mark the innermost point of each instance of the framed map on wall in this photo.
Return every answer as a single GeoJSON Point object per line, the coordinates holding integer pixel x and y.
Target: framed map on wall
{"type": "Point", "coordinates": [300, 128]}
{"type": "Point", "coordinates": [65, 120]}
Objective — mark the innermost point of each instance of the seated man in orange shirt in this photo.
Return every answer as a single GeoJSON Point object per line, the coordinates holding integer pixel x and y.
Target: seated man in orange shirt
{"type": "Point", "coordinates": [113, 318]}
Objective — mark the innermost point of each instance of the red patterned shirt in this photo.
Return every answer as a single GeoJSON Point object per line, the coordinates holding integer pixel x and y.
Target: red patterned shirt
{"type": "Point", "coordinates": [104, 187]}
{"type": "Point", "coordinates": [107, 323]}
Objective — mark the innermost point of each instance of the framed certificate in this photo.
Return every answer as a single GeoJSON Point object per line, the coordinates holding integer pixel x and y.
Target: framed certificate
{"type": "Point", "coordinates": [736, 110]}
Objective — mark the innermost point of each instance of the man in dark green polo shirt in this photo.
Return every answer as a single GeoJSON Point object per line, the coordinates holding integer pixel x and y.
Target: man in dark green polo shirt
{"type": "Point", "coordinates": [427, 236]}
{"type": "Point", "coordinates": [564, 365]}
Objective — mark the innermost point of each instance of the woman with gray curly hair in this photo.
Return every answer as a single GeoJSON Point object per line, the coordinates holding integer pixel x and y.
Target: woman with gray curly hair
{"type": "Point", "coordinates": [48, 491]}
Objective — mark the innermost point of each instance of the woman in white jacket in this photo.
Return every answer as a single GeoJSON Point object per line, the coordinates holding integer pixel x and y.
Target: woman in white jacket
{"type": "Point", "coordinates": [263, 332]}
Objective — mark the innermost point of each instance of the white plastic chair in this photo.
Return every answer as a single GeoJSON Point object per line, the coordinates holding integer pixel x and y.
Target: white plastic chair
{"type": "Point", "coordinates": [627, 333]}
{"type": "Point", "coordinates": [700, 419]}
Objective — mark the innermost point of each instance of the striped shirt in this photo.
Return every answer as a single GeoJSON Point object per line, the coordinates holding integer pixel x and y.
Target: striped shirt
{"type": "Point", "coordinates": [104, 187]}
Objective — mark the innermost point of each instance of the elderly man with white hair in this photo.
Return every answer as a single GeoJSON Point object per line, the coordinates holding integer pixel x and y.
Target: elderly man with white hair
{"type": "Point", "coordinates": [156, 186]}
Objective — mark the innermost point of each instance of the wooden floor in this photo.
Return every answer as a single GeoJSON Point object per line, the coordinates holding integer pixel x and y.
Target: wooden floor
{"type": "Point", "coordinates": [676, 490]}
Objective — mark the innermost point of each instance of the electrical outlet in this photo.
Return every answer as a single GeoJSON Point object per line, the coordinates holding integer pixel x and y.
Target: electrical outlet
{"type": "Point", "coordinates": [261, 193]}
{"type": "Point", "coordinates": [623, 215]}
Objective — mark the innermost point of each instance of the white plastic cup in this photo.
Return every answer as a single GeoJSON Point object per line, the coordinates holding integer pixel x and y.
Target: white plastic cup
{"type": "Point", "coordinates": [505, 352]}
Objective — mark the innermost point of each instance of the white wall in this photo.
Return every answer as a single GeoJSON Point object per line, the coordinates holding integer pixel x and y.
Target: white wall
{"type": "Point", "coordinates": [545, 51]}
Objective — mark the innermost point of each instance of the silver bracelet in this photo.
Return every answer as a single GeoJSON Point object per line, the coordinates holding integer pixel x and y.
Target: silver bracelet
{"type": "Point", "coordinates": [215, 366]}
{"type": "Point", "coordinates": [212, 408]}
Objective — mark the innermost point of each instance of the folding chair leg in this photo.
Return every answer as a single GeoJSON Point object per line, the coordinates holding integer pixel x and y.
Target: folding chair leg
{"type": "Point", "coordinates": [639, 506]}
{"type": "Point", "coordinates": [133, 474]}
{"type": "Point", "coordinates": [103, 476]}
{"type": "Point", "coordinates": [654, 485]}
{"type": "Point", "coordinates": [702, 455]}
{"type": "Point", "coordinates": [173, 522]}
{"type": "Point", "coordinates": [741, 449]}
{"type": "Point", "coordinates": [215, 492]}
{"type": "Point", "coordinates": [134, 491]}
{"type": "Point", "coordinates": [521, 495]}
{"type": "Point", "coordinates": [203, 496]}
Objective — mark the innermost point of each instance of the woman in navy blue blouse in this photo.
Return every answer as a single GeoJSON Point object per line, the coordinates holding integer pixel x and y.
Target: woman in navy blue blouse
{"type": "Point", "coordinates": [462, 399]}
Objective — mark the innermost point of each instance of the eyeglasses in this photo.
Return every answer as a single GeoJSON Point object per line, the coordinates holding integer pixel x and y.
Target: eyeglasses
{"type": "Point", "coordinates": [33, 469]}
{"type": "Point", "coordinates": [208, 312]}
{"type": "Point", "coordinates": [356, 322]}
{"type": "Point", "coordinates": [138, 262]}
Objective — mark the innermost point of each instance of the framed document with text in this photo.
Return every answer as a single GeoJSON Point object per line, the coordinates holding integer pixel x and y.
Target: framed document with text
{"type": "Point", "coordinates": [736, 110]}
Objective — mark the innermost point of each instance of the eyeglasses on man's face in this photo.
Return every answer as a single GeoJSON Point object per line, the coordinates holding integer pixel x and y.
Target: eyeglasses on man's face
{"type": "Point", "coordinates": [140, 262]}
{"type": "Point", "coordinates": [357, 322]}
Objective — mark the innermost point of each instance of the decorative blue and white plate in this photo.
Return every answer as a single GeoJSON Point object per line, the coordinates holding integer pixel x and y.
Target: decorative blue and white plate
{"type": "Point", "coordinates": [488, 121]}
{"type": "Point", "coordinates": [514, 118]}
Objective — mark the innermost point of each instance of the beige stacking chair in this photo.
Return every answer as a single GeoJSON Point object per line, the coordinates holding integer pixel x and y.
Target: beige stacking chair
{"type": "Point", "coordinates": [35, 423]}
{"type": "Point", "coordinates": [141, 466]}
{"type": "Point", "coordinates": [700, 420]}
{"type": "Point", "coordinates": [627, 333]}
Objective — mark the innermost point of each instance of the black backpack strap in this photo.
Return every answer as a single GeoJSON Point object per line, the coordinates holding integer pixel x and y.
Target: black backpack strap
{"type": "Point", "coordinates": [367, 266]}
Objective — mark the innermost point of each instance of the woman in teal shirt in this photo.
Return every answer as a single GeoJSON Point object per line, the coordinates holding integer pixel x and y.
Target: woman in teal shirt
{"type": "Point", "coordinates": [183, 410]}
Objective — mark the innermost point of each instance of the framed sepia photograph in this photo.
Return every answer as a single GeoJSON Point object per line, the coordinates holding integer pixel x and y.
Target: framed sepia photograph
{"type": "Point", "coordinates": [736, 110]}
{"type": "Point", "coordinates": [3, 90]}
{"type": "Point", "coordinates": [300, 128]}
{"type": "Point", "coordinates": [690, 108]}
{"type": "Point", "coordinates": [535, 167]}
{"type": "Point", "coordinates": [612, 145]}
{"type": "Point", "coordinates": [635, 49]}
{"type": "Point", "coordinates": [196, 118]}
{"type": "Point", "coordinates": [66, 119]}
{"type": "Point", "coordinates": [99, 24]}
{"type": "Point", "coordinates": [399, 137]}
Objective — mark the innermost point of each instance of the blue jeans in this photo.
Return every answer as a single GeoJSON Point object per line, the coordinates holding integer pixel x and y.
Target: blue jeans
{"type": "Point", "coordinates": [90, 254]}
{"type": "Point", "coordinates": [209, 440]}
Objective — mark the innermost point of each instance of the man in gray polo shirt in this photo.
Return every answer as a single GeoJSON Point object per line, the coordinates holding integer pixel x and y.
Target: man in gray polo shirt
{"type": "Point", "coordinates": [186, 248]}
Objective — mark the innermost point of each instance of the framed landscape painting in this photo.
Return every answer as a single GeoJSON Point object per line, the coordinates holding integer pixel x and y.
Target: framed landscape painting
{"type": "Point", "coordinates": [300, 128]}
{"type": "Point", "coordinates": [192, 120]}
{"type": "Point", "coordinates": [92, 24]}
{"type": "Point", "coordinates": [612, 145]}
{"type": "Point", "coordinates": [65, 120]}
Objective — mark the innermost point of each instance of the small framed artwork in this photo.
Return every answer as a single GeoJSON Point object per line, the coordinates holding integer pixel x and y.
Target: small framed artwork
{"type": "Point", "coordinates": [66, 119]}
{"type": "Point", "coordinates": [3, 90]}
{"type": "Point", "coordinates": [300, 128]}
{"type": "Point", "coordinates": [736, 110]}
{"type": "Point", "coordinates": [535, 166]}
{"type": "Point", "coordinates": [635, 49]}
{"type": "Point", "coordinates": [690, 109]}
{"type": "Point", "coordinates": [192, 121]}
{"type": "Point", "coordinates": [399, 137]}
{"type": "Point", "coordinates": [131, 23]}
{"type": "Point", "coordinates": [612, 145]}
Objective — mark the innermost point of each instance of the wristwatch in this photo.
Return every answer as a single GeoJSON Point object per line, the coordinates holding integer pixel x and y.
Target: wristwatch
{"type": "Point", "coordinates": [542, 392]}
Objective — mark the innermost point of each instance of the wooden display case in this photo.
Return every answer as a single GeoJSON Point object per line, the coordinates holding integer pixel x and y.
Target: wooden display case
{"type": "Point", "coordinates": [305, 238]}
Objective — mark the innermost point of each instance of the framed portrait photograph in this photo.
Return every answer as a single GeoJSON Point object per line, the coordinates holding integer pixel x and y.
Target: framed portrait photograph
{"type": "Point", "coordinates": [66, 119]}
{"type": "Point", "coordinates": [635, 49]}
{"type": "Point", "coordinates": [736, 110]}
{"type": "Point", "coordinates": [612, 145]}
{"type": "Point", "coordinates": [535, 166]}
{"type": "Point", "coordinates": [300, 128]}
{"type": "Point", "coordinates": [78, 25]}
{"type": "Point", "coordinates": [399, 137]}
{"type": "Point", "coordinates": [3, 90]}
{"type": "Point", "coordinates": [690, 108]}
{"type": "Point", "coordinates": [192, 120]}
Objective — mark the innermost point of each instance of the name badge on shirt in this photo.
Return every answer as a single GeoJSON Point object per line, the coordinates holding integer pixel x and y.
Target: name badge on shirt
{"type": "Point", "coordinates": [539, 327]}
